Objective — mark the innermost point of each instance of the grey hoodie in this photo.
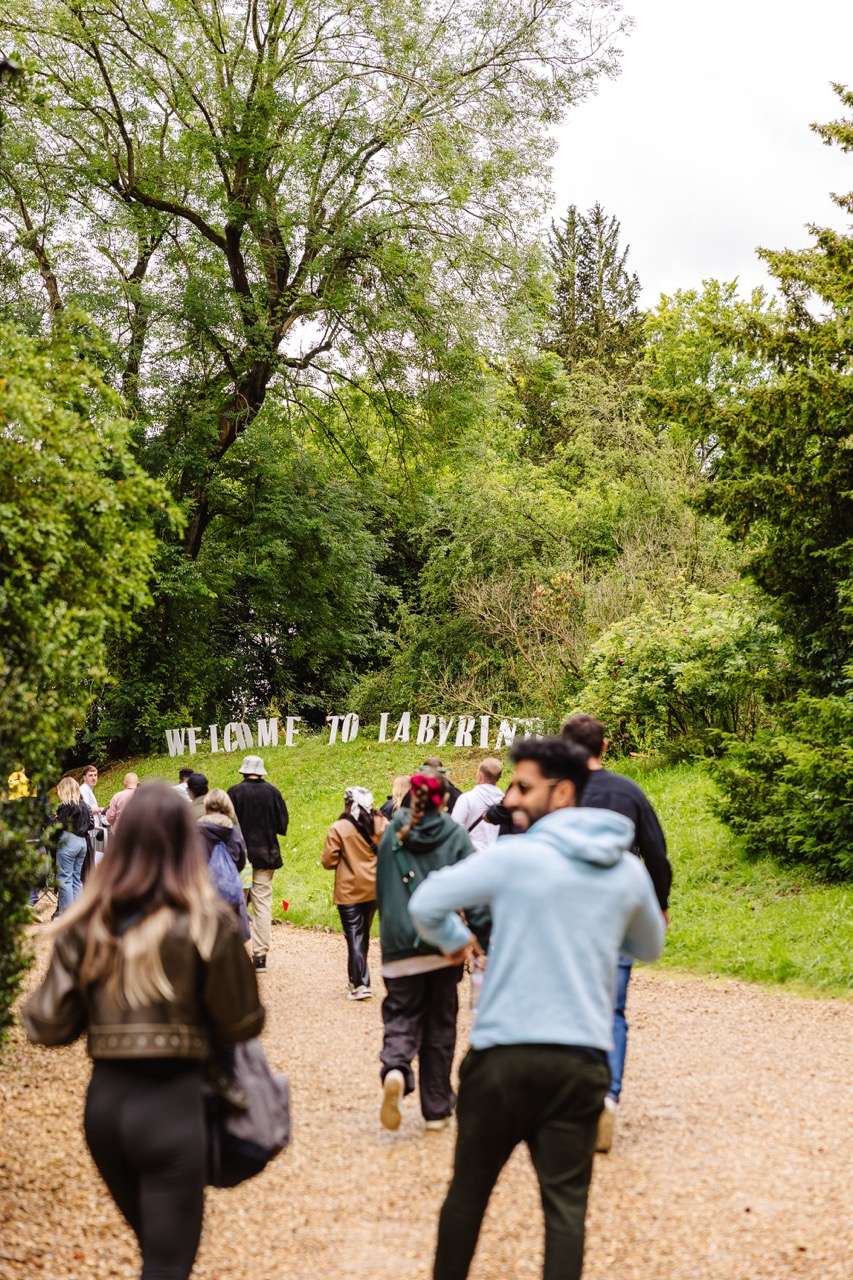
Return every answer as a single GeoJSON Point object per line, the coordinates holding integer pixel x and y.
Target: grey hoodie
{"type": "Point", "coordinates": [565, 899]}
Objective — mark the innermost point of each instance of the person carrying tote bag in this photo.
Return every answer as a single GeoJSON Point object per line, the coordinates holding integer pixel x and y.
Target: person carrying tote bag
{"type": "Point", "coordinates": [148, 962]}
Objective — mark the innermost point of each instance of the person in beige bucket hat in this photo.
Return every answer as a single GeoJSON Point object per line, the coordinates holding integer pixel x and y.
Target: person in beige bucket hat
{"type": "Point", "coordinates": [252, 766]}
{"type": "Point", "coordinates": [262, 815]}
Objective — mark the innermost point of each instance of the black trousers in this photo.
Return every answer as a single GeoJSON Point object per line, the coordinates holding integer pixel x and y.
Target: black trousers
{"type": "Point", "coordinates": [419, 1018]}
{"type": "Point", "coordinates": [146, 1132]}
{"type": "Point", "coordinates": [548, 1096]}
{"type": "Point", "coordinates": [356, 918]}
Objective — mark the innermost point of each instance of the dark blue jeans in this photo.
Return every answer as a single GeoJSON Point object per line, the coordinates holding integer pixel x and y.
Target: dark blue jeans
{"type": "Point", "coordinates": [616, 1057]}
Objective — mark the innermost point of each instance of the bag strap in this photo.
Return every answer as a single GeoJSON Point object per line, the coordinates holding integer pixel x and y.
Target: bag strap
{"type": "Point", "coordinates": [476, 822]}
{"type": "Point", "coordinates": [408, 875]}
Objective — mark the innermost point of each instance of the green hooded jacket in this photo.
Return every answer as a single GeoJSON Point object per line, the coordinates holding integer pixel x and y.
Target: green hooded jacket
{"type": "Point", "coordinates": [437, 841]}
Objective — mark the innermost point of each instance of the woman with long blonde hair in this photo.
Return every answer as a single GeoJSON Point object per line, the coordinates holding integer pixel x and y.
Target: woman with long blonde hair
{"type": "Point", "coordinates": [76, 820]}
{"type": "Point", "coordinates": [148, 963]}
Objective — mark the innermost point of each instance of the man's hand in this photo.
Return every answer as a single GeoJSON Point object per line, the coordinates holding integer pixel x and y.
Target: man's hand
{"type": "Point", "coordinates": [471, 948]}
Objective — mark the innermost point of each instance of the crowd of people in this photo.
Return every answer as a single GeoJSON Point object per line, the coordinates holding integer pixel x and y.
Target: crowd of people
{"type": "Point", "coordinates": [533, 889]}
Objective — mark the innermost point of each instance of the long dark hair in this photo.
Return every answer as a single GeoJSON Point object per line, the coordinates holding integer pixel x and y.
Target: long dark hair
{"type": "Point", "coordinates": [154, 868]}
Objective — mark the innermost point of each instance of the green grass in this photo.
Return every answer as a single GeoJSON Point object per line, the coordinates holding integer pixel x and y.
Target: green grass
{"type": "Point", "coordinates": [752, 920]}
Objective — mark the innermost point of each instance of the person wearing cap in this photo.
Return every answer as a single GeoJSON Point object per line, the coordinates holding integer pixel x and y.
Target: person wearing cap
{"type": "Point", "coordinates": [262, 815]}
{"type": "Point", "coordinates": [350, 851]}
{"type": "Point", "coordinates": [452, 793]}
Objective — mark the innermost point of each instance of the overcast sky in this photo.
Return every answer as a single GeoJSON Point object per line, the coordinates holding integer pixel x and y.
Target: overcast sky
{"type": "Point", "coordinates": [702, 147]}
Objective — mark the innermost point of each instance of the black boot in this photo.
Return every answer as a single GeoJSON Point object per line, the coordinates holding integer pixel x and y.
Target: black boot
{"type": "Point", "coordinates": [261, 962]}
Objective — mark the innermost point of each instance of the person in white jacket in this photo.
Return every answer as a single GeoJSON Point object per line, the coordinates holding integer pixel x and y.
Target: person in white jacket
{"type": "Point", "coordinates": [469, 810]}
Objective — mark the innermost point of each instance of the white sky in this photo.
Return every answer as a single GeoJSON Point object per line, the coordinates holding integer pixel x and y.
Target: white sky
{"type": "Point", "coordinates": [702, 147]}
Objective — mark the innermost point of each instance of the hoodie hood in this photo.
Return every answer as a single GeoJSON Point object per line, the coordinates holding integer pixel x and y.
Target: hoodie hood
{"type": "Point", "coordinates": [433, 828]}
{"type": "Point", "coordinates": [599, 836]}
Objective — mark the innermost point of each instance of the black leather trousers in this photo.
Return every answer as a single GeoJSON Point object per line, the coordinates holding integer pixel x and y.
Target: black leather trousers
{"type": "Point", "coordinates": [356, 918]}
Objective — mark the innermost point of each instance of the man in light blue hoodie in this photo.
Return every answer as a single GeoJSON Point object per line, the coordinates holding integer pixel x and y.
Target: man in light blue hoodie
{"type": "Point", "coordinates": [565, 899]}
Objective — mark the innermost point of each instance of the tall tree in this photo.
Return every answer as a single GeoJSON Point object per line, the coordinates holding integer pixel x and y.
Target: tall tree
{"type": "Point", "coordinates": [256, 195]}
{"type": "Point", "coordinates": [783, 476]}
{"type": "Point", "coordinates": [595, 314]}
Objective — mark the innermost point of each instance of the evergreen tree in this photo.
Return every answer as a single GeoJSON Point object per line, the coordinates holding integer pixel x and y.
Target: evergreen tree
{"type": "Point", "coordinates": [595, 314]}
{"type": "Point", "coordinates": [783, 481]}
{"type": "Point", "coordinates": [783, 476]}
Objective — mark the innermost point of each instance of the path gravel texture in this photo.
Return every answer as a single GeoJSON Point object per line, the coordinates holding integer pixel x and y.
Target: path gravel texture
{"type": "Point", "coordinates": [733, 1155]}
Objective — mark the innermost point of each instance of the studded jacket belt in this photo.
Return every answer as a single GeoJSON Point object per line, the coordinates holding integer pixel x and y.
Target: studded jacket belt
{"type": "Point", "coordinates": [148, 1040]}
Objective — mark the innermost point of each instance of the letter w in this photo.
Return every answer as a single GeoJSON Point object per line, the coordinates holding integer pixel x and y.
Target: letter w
{"type": "Point", "coordinates": [177, 740]}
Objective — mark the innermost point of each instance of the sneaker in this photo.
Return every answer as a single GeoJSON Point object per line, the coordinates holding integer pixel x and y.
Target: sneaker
{"type": "Point", "coordinates": [435, 1126]}
{"type": "Point", "coordinates": [360, 993]}
{"type": "Point", "coordinates": [392, 1091]}
{"type": "Point", "coordinates": [260, 963]}
{"type": "Point", "coordinates": [606, 1125]}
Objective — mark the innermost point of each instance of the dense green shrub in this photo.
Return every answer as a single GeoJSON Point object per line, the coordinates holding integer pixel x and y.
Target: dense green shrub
{"type": "Point", "coordinates": [683, 676]}
{"type": "Point", "coordinates": [76, 550]}
{"type": "Point", "coordinates": [789, 793]}
{"type": "Point", "coordinates": [19, 819]}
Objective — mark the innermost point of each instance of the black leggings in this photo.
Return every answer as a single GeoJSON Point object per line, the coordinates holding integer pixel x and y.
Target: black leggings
{"type": "Point", "coordinates": [145, 1129]}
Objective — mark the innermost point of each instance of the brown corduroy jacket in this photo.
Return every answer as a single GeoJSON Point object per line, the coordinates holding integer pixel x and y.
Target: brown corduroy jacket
{"type": "Point", "coordinates": [353, 860]}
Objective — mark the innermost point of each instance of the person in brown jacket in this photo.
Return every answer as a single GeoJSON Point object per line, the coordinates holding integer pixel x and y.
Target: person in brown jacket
{"type": "Point", "coordinates": [350, 851]}
{"type": "Point", "coordinates": [148, 963]}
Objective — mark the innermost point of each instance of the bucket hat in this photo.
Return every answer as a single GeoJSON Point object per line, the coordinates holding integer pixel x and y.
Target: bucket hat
{"type": "Point", "coordinates": [253, 764]}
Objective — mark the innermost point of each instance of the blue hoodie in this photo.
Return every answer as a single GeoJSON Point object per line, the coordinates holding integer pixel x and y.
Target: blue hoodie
{"type": "Point", "coordinates": [565, 898]}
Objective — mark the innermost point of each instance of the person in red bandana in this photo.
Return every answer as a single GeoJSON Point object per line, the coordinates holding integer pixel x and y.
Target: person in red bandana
{"type": "Point", "coordinates": [422, 1001]}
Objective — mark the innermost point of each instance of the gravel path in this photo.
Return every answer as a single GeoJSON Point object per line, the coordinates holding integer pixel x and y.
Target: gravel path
{"type": "Point", "coordinates": [733, 1156]}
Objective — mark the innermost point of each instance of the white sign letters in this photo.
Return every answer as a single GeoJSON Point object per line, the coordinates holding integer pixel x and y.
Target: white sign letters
{"type": "Point", "coordinates": [425, 730]}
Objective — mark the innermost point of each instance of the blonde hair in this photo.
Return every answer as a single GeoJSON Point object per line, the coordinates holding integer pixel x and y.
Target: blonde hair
{"type": "Point", "coordinates": [155, 871]}
{"type": "Point", "coordinates": [399, 788]}
{"type": "Point", "coordinates": [68, 790]}
{"type": "Point", "coordinates": [219, 801]}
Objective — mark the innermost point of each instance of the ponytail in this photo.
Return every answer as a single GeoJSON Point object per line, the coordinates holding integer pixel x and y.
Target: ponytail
{"type": "Point", "coordinates": [428, 791]}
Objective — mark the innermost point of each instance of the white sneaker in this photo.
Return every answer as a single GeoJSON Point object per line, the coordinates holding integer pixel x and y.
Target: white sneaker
{"type": "Point", "coordinates": [435, 1126]}
{"type": "Point", "coordinates": [392, 1091]}
{"type": "Point", "coordinates": [606, 1125]}
{"type": "Point", "coordinates": [360, 993]}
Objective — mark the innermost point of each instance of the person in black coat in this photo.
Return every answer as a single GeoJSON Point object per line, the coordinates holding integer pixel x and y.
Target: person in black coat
{"type": "Point", "coordinates": [262, 815]}
{"type": "Point", "coordinates": [608, 790]}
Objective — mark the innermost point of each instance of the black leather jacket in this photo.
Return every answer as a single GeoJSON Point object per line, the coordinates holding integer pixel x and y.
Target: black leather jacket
{"type": "Point", "coordinates": [215, 1002]}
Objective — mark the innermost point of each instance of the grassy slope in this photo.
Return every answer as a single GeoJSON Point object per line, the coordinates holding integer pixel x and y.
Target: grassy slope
{"type": "Point", "coordinates": [751, 920]}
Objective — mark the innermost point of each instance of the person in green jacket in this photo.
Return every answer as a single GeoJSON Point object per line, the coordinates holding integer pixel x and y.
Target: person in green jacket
{"type": "Point", "coordinates": [422, 1001]}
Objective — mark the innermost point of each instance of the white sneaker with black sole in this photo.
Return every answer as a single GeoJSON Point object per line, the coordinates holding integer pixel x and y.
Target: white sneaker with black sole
{"type": "Point", "coordinates": [392, 1092]}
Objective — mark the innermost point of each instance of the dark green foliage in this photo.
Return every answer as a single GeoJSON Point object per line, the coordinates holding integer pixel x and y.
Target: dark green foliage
{"type": "Point", "coordinates": [277, 615]}
{"type": "Point", "coordinates": [783, 477]}
{"type": "Point", "coordinates": [789, 792]}
{"type": "Point", "coordinates": [784, 482]}
{"type": "Point", "coordinates": [595, 314]}
{"type": "Point", "coordinates": [19, 820]}
{"type": "Point", "coordinates": [76, 551]}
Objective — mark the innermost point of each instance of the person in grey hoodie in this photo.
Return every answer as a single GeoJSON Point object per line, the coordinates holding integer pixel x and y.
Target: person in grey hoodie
{"type": "Point", "coordinates": [566, 898]}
